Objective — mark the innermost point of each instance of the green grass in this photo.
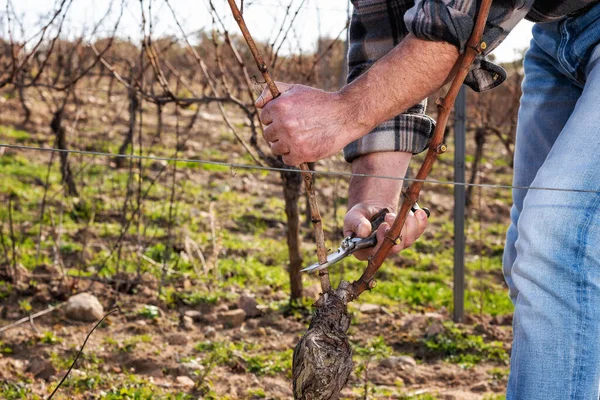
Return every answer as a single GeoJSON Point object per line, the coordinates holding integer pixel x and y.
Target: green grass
{"type": "Point", "coordinates": [456, 346]}
{"type": "Point", "coordinates": [16, 391]}
{"type": "Point", "coordinates": [17, 135]}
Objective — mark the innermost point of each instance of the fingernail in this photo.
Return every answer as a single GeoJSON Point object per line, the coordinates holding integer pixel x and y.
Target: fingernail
{"type": "Point", "coordinates": [421, 215]}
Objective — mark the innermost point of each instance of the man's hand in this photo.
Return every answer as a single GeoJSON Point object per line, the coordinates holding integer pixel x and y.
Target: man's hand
{"type": "Point", "coordinates": [369, 195]}
{"type": "Point", "coordinates": [305, 124]}
{"type": "Point", "coordinates": [357, 220]}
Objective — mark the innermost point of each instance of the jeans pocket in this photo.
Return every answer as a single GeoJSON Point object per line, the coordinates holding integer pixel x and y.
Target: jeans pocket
{"type": "Point", "coordinates": [581, 34]}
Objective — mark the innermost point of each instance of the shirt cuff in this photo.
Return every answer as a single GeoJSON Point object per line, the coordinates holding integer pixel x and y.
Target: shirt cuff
{"type": "Point", "coordinates": [408, 132]}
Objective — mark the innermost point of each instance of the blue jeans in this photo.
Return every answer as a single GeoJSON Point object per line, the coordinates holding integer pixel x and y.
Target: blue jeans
{"type": "Point", "coordinates": [552, 255]}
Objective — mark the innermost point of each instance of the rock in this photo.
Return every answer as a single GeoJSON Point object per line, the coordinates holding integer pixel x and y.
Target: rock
{"type": "Point", "coordinates": [145, 366]}
{"type": "Point", "coordinates": [192, 366]}
{"type": "Point", "coordinates": [17, 364]}
{"type": "Point", "coordinates": [280, 295]}
{"type": "Point", "coordinates": [369, 309]}
{"type": "Point", "coordinates": [480, 387]}
{"type": "Point", "coordinates": [249, 305]}
{"type": "Point", "coordinates": [158, 165]}
{"type": "Point", "coordinates": [210, 332]}
{"type": "Point", "coordinates": [185, 381]}
{"type": "Point", "coordinates": [209, 319]}
{"type": "Point", "coordinates": [252, 323]}
{"type": "Point", "coordinates": [188, 323]}
{"type": "Point", "coordinates": [199, 317]}
{"type": "Point", "coordinates": [434, 329]}
{"type": "Point", "coordinates": [177, 339]}
{"type": "Point", "coordinates": [222, 307]}
{"type": "Point", "coordinates": [232, 318]}
{"type": "Point", "coordinates": [502, 320]}
{"type": "Point", "coordinates": [448, 396]}
{"type": "Point", "coordinates": [434, 316]}
{"type": "Point", "coordinates": [84, 307]}
{"type": "Point", "coordinates": [264, 309]}
{"type": "Point", "coordinates": [41, 369]}
{"type": "Point", "coordinates": [195, 315]}
{"type": "Point", "coordinates": [398, 362]}
{"type": "Point", "coordinates": [419, 322]}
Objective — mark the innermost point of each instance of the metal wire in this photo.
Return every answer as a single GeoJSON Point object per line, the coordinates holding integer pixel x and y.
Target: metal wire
{"type": "Point", "coordinates": [289, 169]}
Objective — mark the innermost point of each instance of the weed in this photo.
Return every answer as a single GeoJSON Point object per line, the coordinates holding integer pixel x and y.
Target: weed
{"type": "Point", "coordinates": [498, 373]}
{"type": "Point", "coordinates": [17, 135]}
{"type": "Point", "coordinates": [149, 312]}
{"type": "Point", "coordinates": [456, 346]}
{"type": "Point", "coordinates": [16, 391]}
{"type": "Point", "coordinates": [271, 363]}
{"type": "Point", "coordinates": [4, 348]}
{"type": "Point", "coordinates": [196, 298]}
{"type": "Point", "coordinates": [130, 343]}
{"type": "Point", "coordinates": [49, 338]}
{"type": "Point", "coordinates": [5, 289]}
{"type": "Point", "coordinates": [25, 306]}
{"type": "Point", "coordinates": [257, 393]}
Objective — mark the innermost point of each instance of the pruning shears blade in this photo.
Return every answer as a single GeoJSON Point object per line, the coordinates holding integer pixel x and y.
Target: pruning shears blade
{"type": "Point", "coordinates": [332, 258]}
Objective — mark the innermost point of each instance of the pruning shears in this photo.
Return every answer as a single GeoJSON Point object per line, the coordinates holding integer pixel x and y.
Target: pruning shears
{"type": "Point", "coordinates": [352, 243]}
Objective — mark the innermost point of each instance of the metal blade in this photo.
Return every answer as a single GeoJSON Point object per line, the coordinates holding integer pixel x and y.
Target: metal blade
{"type": "Point", "coordinates": [331, 259]}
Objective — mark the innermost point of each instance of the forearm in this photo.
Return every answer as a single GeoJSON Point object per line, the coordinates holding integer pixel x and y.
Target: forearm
{"type": "Point", "coordinates": [378, 192]}
{"type": "Point", "coordinates": [410, 72]}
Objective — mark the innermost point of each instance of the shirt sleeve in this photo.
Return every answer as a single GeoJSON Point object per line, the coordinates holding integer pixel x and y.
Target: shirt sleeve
{"type": "Point", "coordinates": [376, 28]}
{"type": "Point", "coordinates": [452, 21]}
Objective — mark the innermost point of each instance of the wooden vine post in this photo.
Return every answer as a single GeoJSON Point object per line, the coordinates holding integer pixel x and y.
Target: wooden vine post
{"type": "Point", "coordinates": [322, 360]}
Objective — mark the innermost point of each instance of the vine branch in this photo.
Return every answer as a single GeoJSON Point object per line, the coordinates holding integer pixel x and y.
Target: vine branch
{"type": "Point", "coordinates": [475, 46]}
{"type": "Point", "coordinates": [305, 170]}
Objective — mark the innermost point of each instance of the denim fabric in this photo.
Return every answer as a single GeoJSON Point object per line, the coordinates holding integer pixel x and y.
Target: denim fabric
{"type": "Point", "coordinates": [552, 255]}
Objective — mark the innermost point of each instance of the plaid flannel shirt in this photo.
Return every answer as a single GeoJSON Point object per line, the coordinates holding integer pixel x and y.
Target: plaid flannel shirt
{"type": "Point", "coordinates": [379, 25]}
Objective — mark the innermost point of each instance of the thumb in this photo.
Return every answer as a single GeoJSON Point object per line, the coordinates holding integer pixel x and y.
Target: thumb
{"type": "Point", "coordinates": [356, 222]}
{"type": "Point", "coordinates": [266, 95]}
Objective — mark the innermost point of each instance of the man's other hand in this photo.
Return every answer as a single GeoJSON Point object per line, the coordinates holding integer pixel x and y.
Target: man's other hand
{"type": "Point", "coordinates": [305, 124]}
{"type": "Point", "coordinates": [357, 221]}
{"type": "Point", "coordinates": [367, 195]}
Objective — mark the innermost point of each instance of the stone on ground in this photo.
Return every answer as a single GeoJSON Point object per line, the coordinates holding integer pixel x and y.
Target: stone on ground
{"type": "Point", "coordinates": [84, 307]}
{"type": "Point", "coordinates": [249, 305]}
{"type": "Point", "coordinates": [232, 318]}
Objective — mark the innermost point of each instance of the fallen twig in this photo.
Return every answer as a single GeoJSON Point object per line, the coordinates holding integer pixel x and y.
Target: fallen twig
{"type": "Point", "coordinates": [30, 317]}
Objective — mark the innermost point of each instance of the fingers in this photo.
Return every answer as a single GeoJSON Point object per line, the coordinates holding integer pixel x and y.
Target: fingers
{"type": "Point", "coordinates": [266, 95]}
{"type": "Point", "coordinates": [357, 221]}
{"type": "Point", "coordinates": [265, 117]}
{"type": "Point", "coordinates": [279, 148]}
{"type": "Point", "coordinates": [414, 227]}
{"type": "Point", "coordinates": [270, 134]}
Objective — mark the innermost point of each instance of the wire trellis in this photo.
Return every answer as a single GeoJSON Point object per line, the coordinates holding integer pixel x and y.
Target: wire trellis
{"type": "Point", "coordinates": [290, 169]}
